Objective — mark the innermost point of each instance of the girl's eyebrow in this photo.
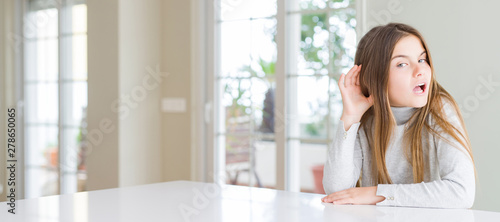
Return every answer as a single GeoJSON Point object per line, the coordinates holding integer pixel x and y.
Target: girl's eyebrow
{"type": "Point", "coordinates": [405, 56]}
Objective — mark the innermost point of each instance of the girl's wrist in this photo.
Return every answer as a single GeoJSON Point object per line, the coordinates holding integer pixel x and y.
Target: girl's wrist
{"type": "Point", "coordinates": [350, 118]}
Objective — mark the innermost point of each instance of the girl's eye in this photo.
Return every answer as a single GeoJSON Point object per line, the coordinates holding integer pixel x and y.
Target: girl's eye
{"type": "Point", "coordinates": [400, 65]}
{"type": "Point", "coordinates": [422, 60]}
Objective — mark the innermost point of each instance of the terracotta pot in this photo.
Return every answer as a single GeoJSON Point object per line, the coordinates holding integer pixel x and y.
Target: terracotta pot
{"type": "Point", "coordinates": [52, 155]}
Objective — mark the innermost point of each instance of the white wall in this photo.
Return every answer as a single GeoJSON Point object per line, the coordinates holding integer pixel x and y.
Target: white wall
{"type": "Point", "coordinates": [103, 89]}
{"type": "Point", "coordinates": [124, 93]}
{"type": "Point", "coordinates": [140, 137]}
{"type": "Point", "coordinates": [463, 40]}
{"type": "Point", "coordinates": [176, 59]}
{"type": "Point", "coordinates": [2, 94]}
{"type": "Point", "coordinates": [7, 78]}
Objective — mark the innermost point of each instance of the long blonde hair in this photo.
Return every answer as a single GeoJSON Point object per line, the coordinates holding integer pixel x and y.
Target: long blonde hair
{"type": "Point", "coordinates": [374, 53]}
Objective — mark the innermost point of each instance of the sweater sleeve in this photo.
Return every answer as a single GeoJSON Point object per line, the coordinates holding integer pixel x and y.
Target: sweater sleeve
{"type": "Point", "coordinates": [343, 165]}
{"type": "Point", "coordinates": [454, 189]}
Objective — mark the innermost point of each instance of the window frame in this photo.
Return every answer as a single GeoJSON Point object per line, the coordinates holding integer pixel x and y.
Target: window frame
{"type": "Point", "coordinates": [62, 127]}
{"type": "Point", "coordinates": [210, 170]}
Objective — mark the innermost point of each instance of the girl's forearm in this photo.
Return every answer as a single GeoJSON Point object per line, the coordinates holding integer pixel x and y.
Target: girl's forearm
{"type": "Point", "coordinates": [349, 120]}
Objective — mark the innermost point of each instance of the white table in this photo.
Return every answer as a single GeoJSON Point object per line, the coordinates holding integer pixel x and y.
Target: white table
{"type": "Point", "coordinates": [192, 201]}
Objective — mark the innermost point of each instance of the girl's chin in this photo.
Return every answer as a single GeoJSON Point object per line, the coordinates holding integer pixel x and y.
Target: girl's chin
{"type": "Point", "coordinates": [414, 104]}
{"type": "Point", "coordinates": [420, 104]}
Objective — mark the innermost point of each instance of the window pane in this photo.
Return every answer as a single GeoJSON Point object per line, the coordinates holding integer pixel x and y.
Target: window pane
{"type": "Point", "coordinates": [308, 107]}
{"type": "Point", "coordinates": [250, 161]}
{"type": "Point", "coordinates": [310, 4]}
{"type": "Point", "coordinates": [79, 61]}
{"type": "Point", "coordinates": [41, 23]}
{"type": "Point", "coordinates": [245, 9]}
{"type": "Point", "coordinates": [312, 158]}
{"type": "Point", "coordinates": [71, 159]}
{"type": "Point", "coordinates": [74, 57]}
{"type": "Point", "coordinates": [41, 182]}
{"type": "Point", "coordinates": [340, 3]}
{"type": "Point", "coordinates": [42, 146]}
{"type": "Point", "coordinates": [237, 155]}
{"type": "Point", "coordinates": [312, 163]}
{"type": "Point", "coordinates": [47, 59]}
{"type": "Point", "coordinates": [265, 152]}
{"type": "Point", "coordinates": [336, 107]}
{"type": "Point", "coordinates": [248, 105]}
{"type": "Point", "coordinates": [41, 103]}
{"type": "Point", "coordinates": [79, 18]}
{"type": "Point", "coordinates": [236, 103]}
{"type": "Point", "coordinates": [245, 45]}
{"type": "Point", "coordinates": [75, 103]}
{"type": "Point", "coordinates": [74, 17]}
{"type": "Point", "coordinates": [69, 183]}
{"type": "Point", "coordinates": [312, 47]}
{"type": "Point", "coordinates": [30, 55]}
{"type": "Point", "coordinates": [235, 48]}
{"type": "Point", "coordinates": [343, 31]}
{"type": "Point", "coordinates": [42, 60]}
{"type": "Point", "coordinates": [263, 104]}
{"type": "Point", "coordinates": [297, 5]}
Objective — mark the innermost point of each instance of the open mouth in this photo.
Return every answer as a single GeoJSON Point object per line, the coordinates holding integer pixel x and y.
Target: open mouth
{"type": "Point", "coordinates": [420, 88]}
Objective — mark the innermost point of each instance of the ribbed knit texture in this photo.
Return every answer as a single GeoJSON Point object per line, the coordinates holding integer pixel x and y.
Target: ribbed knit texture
{"type": "Point", "coordinates": [449, 180]}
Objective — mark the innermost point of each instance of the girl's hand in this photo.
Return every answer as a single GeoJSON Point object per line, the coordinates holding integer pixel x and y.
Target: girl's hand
{"type": "Point", "coordinates": [355, 103]}
{"type": "Point", "coordinates": [356, 196]}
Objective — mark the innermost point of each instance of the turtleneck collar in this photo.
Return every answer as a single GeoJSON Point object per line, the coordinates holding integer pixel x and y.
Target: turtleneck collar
{"type": "Point", "coordinates": [402, 114]}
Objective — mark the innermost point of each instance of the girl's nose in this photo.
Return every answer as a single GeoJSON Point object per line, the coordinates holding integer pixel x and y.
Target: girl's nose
{"type": "Point", "coordinates": [419, 72]}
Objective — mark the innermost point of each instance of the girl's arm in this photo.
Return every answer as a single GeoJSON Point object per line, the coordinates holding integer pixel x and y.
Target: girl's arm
{"type": "Point", "coordinates": [343, 165]}
{"type": "Point", "coordinates": [455, 189]}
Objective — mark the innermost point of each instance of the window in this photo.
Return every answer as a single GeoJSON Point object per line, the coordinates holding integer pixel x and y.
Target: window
{"type": "Point", "coordinates": [55, 96]}
{"type": "Point", "coordinates": [246, 82]}
{"type": "Point", "coordinates": [320, 44]}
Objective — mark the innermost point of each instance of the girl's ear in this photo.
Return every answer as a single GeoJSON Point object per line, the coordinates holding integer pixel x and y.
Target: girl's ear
{"type": "Point", "coordinates": [370, 99]}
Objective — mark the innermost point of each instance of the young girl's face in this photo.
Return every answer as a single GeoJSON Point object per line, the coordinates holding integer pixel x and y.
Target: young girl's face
{"type": "Point", "coordinates": [409, 74]}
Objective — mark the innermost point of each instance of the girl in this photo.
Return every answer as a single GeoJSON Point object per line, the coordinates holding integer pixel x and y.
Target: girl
{"type": "Point", "coordinates": [401, 140]}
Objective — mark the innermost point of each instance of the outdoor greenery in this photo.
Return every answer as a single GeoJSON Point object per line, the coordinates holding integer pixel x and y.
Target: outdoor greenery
{"type": "Point", "coordinates": [322, 51]}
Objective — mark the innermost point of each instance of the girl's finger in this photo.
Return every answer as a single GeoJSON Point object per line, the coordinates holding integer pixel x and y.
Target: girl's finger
{"type": "Point", "coordinates": [341, 81]}
{"type": "Point", "coordinates": [326, 199]}
{"type": "Point", "coordinates": [354, 76]}
{"type": "Point", "coordinates": [357, 75]}
{"type": "Point", "coordinates": [336, 196]}
{"type": "Point", "coordinates": [343, 201]}
{"type": "Point", "coordinates": [349, 74]}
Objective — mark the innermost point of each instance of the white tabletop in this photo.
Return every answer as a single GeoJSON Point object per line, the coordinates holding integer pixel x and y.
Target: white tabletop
{"type": "Point", "coordinates": [192, 201]}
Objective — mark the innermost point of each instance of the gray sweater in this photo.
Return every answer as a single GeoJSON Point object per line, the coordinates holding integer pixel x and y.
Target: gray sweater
{"type": "Point", "coordinates": [449, 179]}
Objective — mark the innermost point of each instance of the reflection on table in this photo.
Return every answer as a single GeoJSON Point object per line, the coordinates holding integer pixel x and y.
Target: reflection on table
{"type": "Point", "coordinates": [194, 201]}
